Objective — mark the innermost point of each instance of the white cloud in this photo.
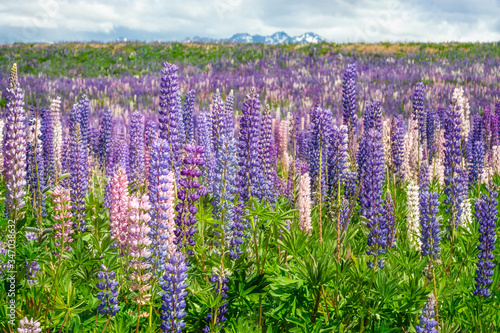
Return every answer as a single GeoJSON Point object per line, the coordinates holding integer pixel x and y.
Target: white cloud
{"type": "Point", "coordinates": [339, 20]}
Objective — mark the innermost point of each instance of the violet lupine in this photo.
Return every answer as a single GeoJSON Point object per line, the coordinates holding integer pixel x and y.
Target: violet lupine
{"type": "Point", "coordinates": [118, 220]}
{"type": "Point", "coordinates": [248, 148]}
{"type": "Point", "coordinates": [432, 134]}
{"type": "Point", "coordinates": [63, 217]}
{"type": "Point", "coordinates": [29, 326]}
{"type": "Point", "coordinates": [476, 151]}
{"type": "Point", "coordinates": [304, 204]}
{"type": "Point", "coordinates": [138, 247]}
{"type": "Point", "coordinates": [225, 179]}
{"type": "Point", "coordinates": [229, 114]}
{"type": "Point", "coordinates": [372, 120]}
{"type": "Point", "coordinates": [204, 139]}
{"type": "Point", "coordinates": [429, 224]}
{"type": "Point", "coordinates": [486, 215]}
{"type": "Point", "coordinates": [47, 137]}
{"type": "Point", "coordinates": [216, 317]}
{"type": "Point", "coordinates": [372, 179]}
{"type": "Point", "coordinates": [453, 173]}
{"type": "Point", "coordinates": [236, 232]}
{"type": "Point", "coordinates": [188, 115]}
{"type": "Point", "coordinates": [174, 286]}
{"type": "Point", "coordinates": [188, 192]}
{"type": "Point", "coordinates": [217, 122]}
{"type": "Point", "coordinates": [389, 221]}
{"type": "Point", "coordinates": [35, 173]}
{"type": "Point", "coordinates": [55, 108]}
{"type": "Point", "coordinates": [350, 114]}
{"type": "Point", "coordinates": [149, 137]}
{"type": "Point", "coordinates": [265, 148]}
{"type": "Point", "coordinates": [169, 111]}
{"type": "Point", "coordinates": [397, 147]}
{"type": "Point", "coordinates": [108, 294]}
{"type": "Point", "coordinates": [84, 112]}
{"type": "Point", "coordinates": [78, 179]}
{"type": "Point", "coordinates": [486, 119]}
{"type": "Point", "coordinates": [2, 126]}
{"type": "Point", "coordinates": [15, 148]}
{"type": "Point", "coordinates": [136, 149]}
{"type": "Point", "coordinates": [105, 137]}
{"type": "Point", "coordinates": [337, 157]}
{"type": "Point", "coordinates": [419, 115]}
{"type": "Point", "coordinates": [427, 322]}
{"type": "Point", "coordinates": [494, 131]}
{"type": "Point", "coordinates": [161, 196]}
{"type": "Point", "coordinates": [32, 268]}
{"type": "Point", "coordinates": [321, 121]}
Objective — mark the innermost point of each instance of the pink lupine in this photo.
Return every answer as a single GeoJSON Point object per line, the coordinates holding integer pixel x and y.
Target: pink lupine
{"type": "Point", "coordinates": [119, 208]}
{"type": "Point", "coordinates": [304, 203]}
{"type": "Point", "coordinates": [63, 216]}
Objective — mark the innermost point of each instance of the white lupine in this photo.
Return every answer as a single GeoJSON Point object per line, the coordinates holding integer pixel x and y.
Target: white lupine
{"type": "Point", "coordinates": [466, 216]}
{"type": "Point", "coordinates": [304, 203]}
{"type": "Point", "coordinates": [386, 139]}
{"type": "Point", "coordinates": [29, 326]}
{"type": "Point", "coordinates": [463, 102]}
{"type": "Point", "coordinates": [413, 217]}
{"type": "Point", "coordinates": [55, 107]}
{"type": "Point", "coordinates": [411, 149]}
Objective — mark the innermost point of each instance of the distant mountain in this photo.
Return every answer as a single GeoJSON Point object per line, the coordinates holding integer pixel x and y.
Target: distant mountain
{"type": "Point", "coordinates": [276, 38]}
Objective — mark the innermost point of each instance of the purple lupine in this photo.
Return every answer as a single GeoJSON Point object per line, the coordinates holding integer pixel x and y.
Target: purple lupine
{"type": "Point", "coordinates": [321, 121]}
{"type": "Point", "coordinates": [15, 148]}
{"type": "Point", "coordinates": [389, 221]}
{"type": "Point", "coordinates": [236, 233]}
{"type": "Point", "coordinates": [486, 215]}
{"type": "Point", "coordinates": [189, 191]}
{"type": "Point", "coordinates": [121, 154]}
{"type": "Point", "coordinates": [475, 151]}
{"type": "Point", "coordinates": [35, 173]}
{"type": "Point", "coordinates": [419, 115]}
{"type": "Point", "coordinates": [453, 173]}
{"type": "Point", "coordinates": [108, 294]}
{"type": "Point", "coordinates": [372, 120]}
{"type": "Point", "coordinates": [265, 148]}
{"type": "Point", "coordinates": [220, 289]}
{"type": "Point", "coordinates": [181, 132]}
{"type": "Point", "coordinates": [105, 142]}
{"type": "Point", "coordinates": [187, 115]}
{"type": "Point", "coordinates": [229, 114]}
{"type": "Point", "coordinates": [161, 199]}
{"type": "Point", "coordinates": [372, 179]}
{"type": "Point", "coordinates": [94, 142]}
{"type": "Point", "coordinates": [432, 134]}
{"type": "Point", "coordinates": [248, 147]}
{"type": "Point", "coordinates": [169, 111]}
{"type": "Point", "coordinates": [174, 286]}
{"type": "Point", "coordinates": [217, 123]}
{"type": "Point", "coordinates": [429, 208]}
{"type": "Point", "coordinates": [337, 157]}
{"type": "Point", "coordinates": [350, 184]}
{"type": "Point", "coordinates": [302, 145]}
{"type": "Point", "coordinates": [397, 147]}
{"type": "Point", "coordinates": [65, 161]}
{"type": "Point", "coordinates": [494, 130]}
{"type": "Point", "coordinates": [32, 268]}
{"type": "Point", "coordinates": [224, 188]}
{"type": "Point", "coordinates": [136, 149]}
{"type": "Point", "coordinates": [486, 119]}
{"type": "Point", "coordinates": [47, 138]}
{"type": "Point", "coordinates": [350, 115]}
{"type": "Point", "coordinates": [84, 112]}
{"type": "Point", "coordinates": [78, 179]}
{"type": "Point", "coordinates": [427, 322]}
{"type": "Point", "coordinates": [204, 139]}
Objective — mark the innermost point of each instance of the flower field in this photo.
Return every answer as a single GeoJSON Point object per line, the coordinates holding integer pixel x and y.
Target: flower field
{"type": "Point", "coordinates": [170, 187]}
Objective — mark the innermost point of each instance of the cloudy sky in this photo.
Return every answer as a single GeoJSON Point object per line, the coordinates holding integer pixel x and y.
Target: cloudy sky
{"type": "Point", "coordinates": [168, 20]}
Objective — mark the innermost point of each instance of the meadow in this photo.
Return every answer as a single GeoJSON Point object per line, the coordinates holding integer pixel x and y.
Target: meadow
{"type": "Point", "coordinates": [168, 187]}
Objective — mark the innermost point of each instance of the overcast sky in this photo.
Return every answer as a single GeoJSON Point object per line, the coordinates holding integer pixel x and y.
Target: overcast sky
{"type": "Point", "coordinates": [168, 20]}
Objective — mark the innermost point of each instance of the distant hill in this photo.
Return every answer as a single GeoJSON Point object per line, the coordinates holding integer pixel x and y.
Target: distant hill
{"type": "Point", "coordinates": [276, 38]}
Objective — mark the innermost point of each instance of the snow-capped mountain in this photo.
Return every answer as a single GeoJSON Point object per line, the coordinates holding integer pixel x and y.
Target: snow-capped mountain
{"type": "Point", "coordinates": [276, 38]}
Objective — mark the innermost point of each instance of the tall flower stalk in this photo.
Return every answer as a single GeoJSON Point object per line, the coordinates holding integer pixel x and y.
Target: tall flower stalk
{"type": "Point", "coordinates": [15, 148]}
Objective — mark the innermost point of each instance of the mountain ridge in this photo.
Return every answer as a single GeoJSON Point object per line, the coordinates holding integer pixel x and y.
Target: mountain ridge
{"type": "Point", "coordinates": [279, 37]}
